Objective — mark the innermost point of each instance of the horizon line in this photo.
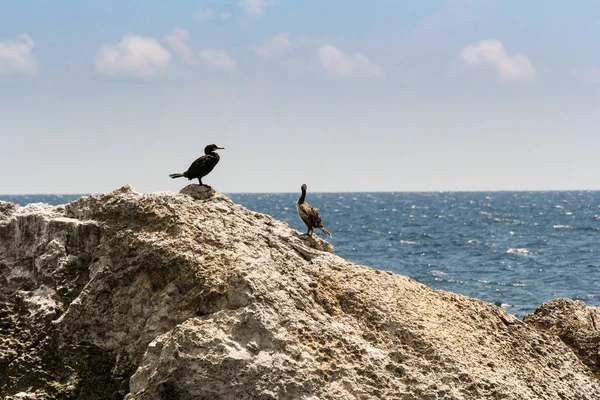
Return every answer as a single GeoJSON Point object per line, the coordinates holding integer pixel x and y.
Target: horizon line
{"type": "Point", "coordinates": [331, 192]}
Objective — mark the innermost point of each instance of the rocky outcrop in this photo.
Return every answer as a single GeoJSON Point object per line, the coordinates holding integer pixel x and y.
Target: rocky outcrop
{"type": "Point", "coordinates": [190, 296]}
{"type": "Point", "coordinates": [576, 324]}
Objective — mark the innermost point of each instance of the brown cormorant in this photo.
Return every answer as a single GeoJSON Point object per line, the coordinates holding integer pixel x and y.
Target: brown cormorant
{"type": "Point", "coordinates": [202, 166]}
{"type": "Point", "coordinates": [309, 215]}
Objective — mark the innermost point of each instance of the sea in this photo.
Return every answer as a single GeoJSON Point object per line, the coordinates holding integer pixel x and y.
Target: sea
{"type": "Point", "coordinates": [513, 249]}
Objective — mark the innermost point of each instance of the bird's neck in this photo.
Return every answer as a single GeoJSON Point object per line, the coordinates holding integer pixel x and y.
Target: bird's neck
{"type": "Point", "coordinates": [301, 199]}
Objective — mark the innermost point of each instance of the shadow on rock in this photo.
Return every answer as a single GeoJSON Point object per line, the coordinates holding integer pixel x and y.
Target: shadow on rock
{"type": "Point", "coordinates": [316, 242]}
{"type": "Point", "coordinates": [198, 192]}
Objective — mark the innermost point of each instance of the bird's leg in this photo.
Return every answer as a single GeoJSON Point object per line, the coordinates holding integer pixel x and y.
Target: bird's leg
{"type": "Point", "coordinates": [203, 184]}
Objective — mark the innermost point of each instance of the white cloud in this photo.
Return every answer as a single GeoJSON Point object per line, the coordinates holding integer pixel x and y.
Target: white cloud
{"type": "Point", "coordinates": [492, 52]}
{"type": "Point", "coordinates": [213, 58]}
{"type": "Point", "coordinates": [176, 41]}
{"type": "Point", "coordinates": [275, 47]}
{"type": "Point", "coordinates": [16, 57]}
{"type": "Point", "coordinates": [204, 15]}
{"type": "Point", "coordinates": [254, 7]}
{"type": "Point", "coordinates": [135, 55]}
{"type": "Point", "coordinates": [218, 59]}
{"type": "Point", "coordinates": [338, 65]}
{"type": "Point", "coordinates": [225, 15]}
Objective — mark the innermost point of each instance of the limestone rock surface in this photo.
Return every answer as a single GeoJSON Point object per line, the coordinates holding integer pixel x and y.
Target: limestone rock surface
{"type": "Point", "coordinates": [576, 324]}
{"type": "Point", "coordinates": [190, 296]}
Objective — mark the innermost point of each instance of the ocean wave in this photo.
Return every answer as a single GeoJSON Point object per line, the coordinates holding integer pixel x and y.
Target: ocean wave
{"type": "Point", "coordinates": [519, 251]}
{"type": "Point", "coordinates": [562, 226]}
{"type": "Point", "coordinates": [511, 284]}
{"type": "Point", "coordinates": [590, 228]}
{"type": "Point", "coordinates": [407, 242]}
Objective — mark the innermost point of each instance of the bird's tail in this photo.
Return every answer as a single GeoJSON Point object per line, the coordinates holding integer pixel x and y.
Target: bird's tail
{"type": "Point", "coordinates": [325, 231]}
{"type": "Point", "coordinates": [178, 175]}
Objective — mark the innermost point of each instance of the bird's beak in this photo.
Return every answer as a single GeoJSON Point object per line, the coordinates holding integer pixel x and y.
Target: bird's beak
{"type": "Point", "coordinates": [220, 148]}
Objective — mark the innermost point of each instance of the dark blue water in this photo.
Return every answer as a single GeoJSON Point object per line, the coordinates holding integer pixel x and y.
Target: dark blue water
{"type": "Point", "coordinates": [514, 249]}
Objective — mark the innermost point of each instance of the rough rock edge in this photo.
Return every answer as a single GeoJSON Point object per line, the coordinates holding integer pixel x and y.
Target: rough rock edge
{"type": "Point", "coordinates": [576, 324]}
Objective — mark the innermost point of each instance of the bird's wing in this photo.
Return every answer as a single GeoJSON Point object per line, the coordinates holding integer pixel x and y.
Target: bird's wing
{"type": "Point", "coordinates": [315, 218]}
{"type": "Point", "coordinates": [202, 166]}
{"type": "Point", "coordinates": [201, 162]}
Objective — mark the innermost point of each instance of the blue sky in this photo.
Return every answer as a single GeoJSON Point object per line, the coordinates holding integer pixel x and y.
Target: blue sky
{"type": "Point", "coordinates": [343, 96]}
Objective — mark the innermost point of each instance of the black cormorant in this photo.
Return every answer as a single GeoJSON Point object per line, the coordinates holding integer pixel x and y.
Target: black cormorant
{"type": "Point", "coordinates": [202, 166]}
{"type": "Point", "coordinates": [309, 215]}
